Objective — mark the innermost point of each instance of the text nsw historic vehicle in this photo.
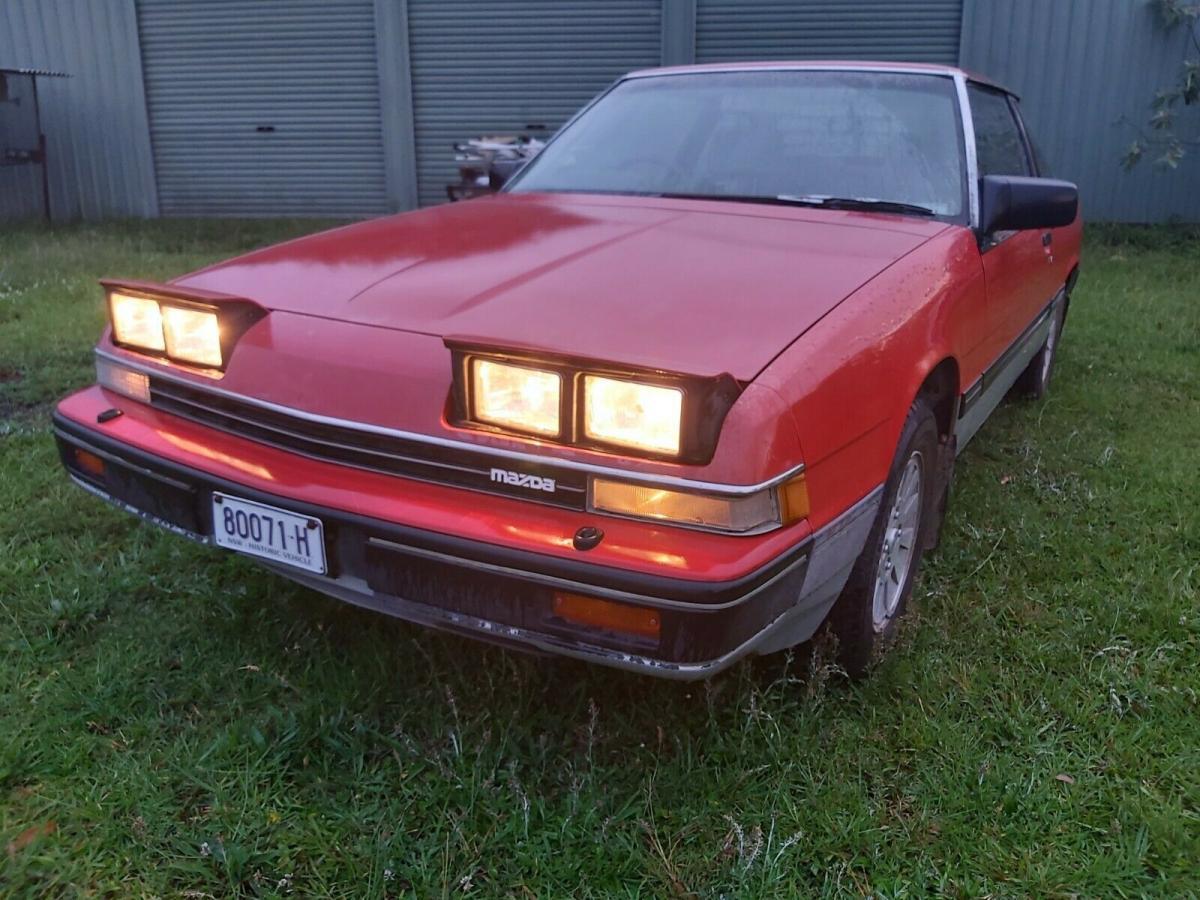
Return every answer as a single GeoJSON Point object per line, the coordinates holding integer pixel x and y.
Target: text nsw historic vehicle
{"type": "Point", "coordinates": [690, 387]}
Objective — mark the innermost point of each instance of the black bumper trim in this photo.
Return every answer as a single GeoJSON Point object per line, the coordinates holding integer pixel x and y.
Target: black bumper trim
{"type": "Point", "coordinates": [526, 640]}
{"type": "Point", "coordinates": [567, 584]}
{"type": "Point", "coordinates": [648, 590]}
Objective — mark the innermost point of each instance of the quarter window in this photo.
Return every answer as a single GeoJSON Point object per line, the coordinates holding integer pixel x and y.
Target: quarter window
{"type": "Point", "coordinates": [999, 148]}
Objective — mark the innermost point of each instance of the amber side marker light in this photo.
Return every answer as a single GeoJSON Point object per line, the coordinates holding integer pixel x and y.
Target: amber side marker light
{"type": "Point", "coordinates": [594, 613]}
{"type": "Point", "coordinates": [89, 462]}
{"type": "Point", "coordinates": [793, 500]}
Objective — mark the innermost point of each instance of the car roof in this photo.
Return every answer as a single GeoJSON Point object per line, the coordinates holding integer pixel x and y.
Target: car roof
{"type": "Point", "coordinates": [841, 65]}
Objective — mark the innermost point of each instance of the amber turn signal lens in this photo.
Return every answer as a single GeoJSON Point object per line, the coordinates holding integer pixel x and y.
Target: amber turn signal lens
{"type": "Point", "coordinates": [89, 462]}
{"type": "Point", "coordinates": [793, 500]}
{"type": "Point", "coordinates": [595, 613]}
{"type": "Point", "coordinates": [115, 377]}
{"type": "Point", "coordinates": [751, 512]}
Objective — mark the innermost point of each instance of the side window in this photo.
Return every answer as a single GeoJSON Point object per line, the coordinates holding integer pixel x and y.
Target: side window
{"type": "Point", "coordinates": [1039, 158]}
{"type": "Point", "coordinates": [1035, 152]}
{"type": "Point", "coordinates": [998, 145]}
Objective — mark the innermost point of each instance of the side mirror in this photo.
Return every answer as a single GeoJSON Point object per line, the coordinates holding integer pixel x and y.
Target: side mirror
{"type": "Point", "coordinates": [1014, 202]}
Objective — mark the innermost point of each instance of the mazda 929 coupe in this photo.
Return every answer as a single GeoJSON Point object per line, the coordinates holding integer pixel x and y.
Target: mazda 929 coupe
{"type": "Point", "coordinates": [690, 388]}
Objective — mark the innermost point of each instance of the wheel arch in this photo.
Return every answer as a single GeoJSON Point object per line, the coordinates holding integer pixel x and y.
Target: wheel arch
{"type": "Point", "coordinates": [1072, 277]}
{"type": "Point", "coordinates": [941, 386]}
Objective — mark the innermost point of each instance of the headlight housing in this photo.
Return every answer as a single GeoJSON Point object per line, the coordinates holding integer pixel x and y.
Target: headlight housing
{"type": "Point", "coordinates": [198, 331]}
{"type": "Point", "coordinates": [653, 414]}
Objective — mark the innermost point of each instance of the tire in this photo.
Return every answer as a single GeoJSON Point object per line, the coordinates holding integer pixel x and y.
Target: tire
{"type": "Point", "coordinates": [1034, 382]}
{"type": "Point", "coordinates": [866, 616]}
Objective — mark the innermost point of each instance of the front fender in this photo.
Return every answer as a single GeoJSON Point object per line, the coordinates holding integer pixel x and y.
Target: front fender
{"type": "Point", "coordinates": [850, 380]}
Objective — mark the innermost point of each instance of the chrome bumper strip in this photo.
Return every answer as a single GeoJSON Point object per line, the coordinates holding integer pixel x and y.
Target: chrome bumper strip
{"type": "Point", "coordinates": [510, 456]}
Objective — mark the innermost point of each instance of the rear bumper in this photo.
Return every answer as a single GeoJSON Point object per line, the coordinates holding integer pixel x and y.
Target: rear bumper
{"type": "Point", "coordinates": [499, 593]}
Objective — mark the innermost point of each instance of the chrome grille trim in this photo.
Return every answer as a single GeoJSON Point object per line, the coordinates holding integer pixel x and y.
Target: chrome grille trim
{"type": "Point", "coordinates": [496, 455]}
{"type": "Point", "coordinates": [378, 453]}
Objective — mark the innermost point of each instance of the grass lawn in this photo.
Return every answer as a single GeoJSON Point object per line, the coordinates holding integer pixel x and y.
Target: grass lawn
{"type": "Point", "coordinates": [174, 721]}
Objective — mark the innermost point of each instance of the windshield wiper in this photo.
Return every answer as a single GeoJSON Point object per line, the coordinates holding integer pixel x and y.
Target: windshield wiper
{"type": "Point", "coordinates": [870, 204]}
{"type": "Point", "coordinates": [823, 201]}
{"type": "Point", "coordinates": [731, 198]}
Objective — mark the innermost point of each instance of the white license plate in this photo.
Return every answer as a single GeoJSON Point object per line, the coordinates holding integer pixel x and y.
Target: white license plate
{"type": "Point", "coordinates": [269, 533]}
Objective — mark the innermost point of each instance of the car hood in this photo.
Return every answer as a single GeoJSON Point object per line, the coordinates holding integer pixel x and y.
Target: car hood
{"type": "Point", "coordinates": [696, 287]}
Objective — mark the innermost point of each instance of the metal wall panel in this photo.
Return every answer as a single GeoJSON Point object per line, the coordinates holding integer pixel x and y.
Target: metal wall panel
{"type": "Point", "coordinates": [95, 122]}
{"type": "Point", "coordinates": [264, 108]}
{"type": "Point", "coordinates": [497, 66]}
{"type": "Point", "coordinates": [1086, 71]}
{"type": "Point", "coordinates": [910, 30]}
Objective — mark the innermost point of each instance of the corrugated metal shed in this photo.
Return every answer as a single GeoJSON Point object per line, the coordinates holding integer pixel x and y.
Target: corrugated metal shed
{"type": "Point", "coordinates": [1086, 71]}
{"type": "Point", "coordinates": [264, 108]}
{"type": "Point", "coordinates": [910, 30]}
{"type": "Point", "coordinates": [95, 121]}
{"type": "Point", "coordinates": [442, 70]}
{"type": "Point", "coordinates": [496, 66]}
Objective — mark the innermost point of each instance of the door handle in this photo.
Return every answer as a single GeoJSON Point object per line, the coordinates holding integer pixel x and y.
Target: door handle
{"type": "Point", "coordinates": [1047, 239]}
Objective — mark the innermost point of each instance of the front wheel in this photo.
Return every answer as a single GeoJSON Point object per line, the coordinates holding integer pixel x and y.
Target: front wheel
{"type": "Point", "coordinates": [867, 614]}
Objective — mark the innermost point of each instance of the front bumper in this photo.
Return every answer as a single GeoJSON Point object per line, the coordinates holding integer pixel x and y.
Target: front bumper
{"type": "Point", "coordinates": [502, 593]}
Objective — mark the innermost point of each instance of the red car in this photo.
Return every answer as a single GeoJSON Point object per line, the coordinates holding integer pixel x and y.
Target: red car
{"type": "Point", "coordinates": [691, 386]}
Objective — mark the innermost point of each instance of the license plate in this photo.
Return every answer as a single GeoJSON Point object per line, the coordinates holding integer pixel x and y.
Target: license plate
{"type": "Point", "coordinates": [269, 533]}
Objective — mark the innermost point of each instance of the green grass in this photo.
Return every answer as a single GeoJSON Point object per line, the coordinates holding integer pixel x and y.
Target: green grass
{"type": "Point", "coordinates": [174, 721]}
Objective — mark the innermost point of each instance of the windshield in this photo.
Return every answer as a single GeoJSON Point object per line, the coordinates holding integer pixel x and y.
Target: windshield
{"type": "Point", "coordinates": [765, 135]}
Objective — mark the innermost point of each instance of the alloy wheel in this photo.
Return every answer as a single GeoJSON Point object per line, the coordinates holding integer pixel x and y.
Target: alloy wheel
{"type": "Point", "coordinates": [899, 544]}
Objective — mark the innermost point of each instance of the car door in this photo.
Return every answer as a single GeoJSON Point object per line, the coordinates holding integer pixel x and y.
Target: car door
{"type": "Point", "coordinates": [1017, 265]}
{"type": "Point", "coordinates": [1061, 245]}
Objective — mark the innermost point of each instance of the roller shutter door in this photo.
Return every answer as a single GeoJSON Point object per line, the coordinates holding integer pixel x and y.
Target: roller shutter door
{"type": "Point", "coordinates": [497, 66]}
{"type": "Point", "coordinates": [909, 30]}
{"type": "Point", "coordinates": [260, 107]}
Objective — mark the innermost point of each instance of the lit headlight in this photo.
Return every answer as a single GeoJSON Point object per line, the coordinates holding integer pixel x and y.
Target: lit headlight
{"type": "Point", "coordinates": [516, 397]}
{"type": "Point", "coordinates": [752, 512]}
{"type": "Point", "coordinates": [136, 321]}
{"type": "Point", "coordinates": [598, 406]}
{"type": "Point", "coordinates": [630, 414]}
{"type": "Point", "coordinates": [199, 331]}
{"type": "Point", "coordinates": [192, 335]}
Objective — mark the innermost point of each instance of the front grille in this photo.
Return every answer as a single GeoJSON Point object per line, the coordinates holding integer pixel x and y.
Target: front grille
{"type": "Point", "coordinates": [385, 453]}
